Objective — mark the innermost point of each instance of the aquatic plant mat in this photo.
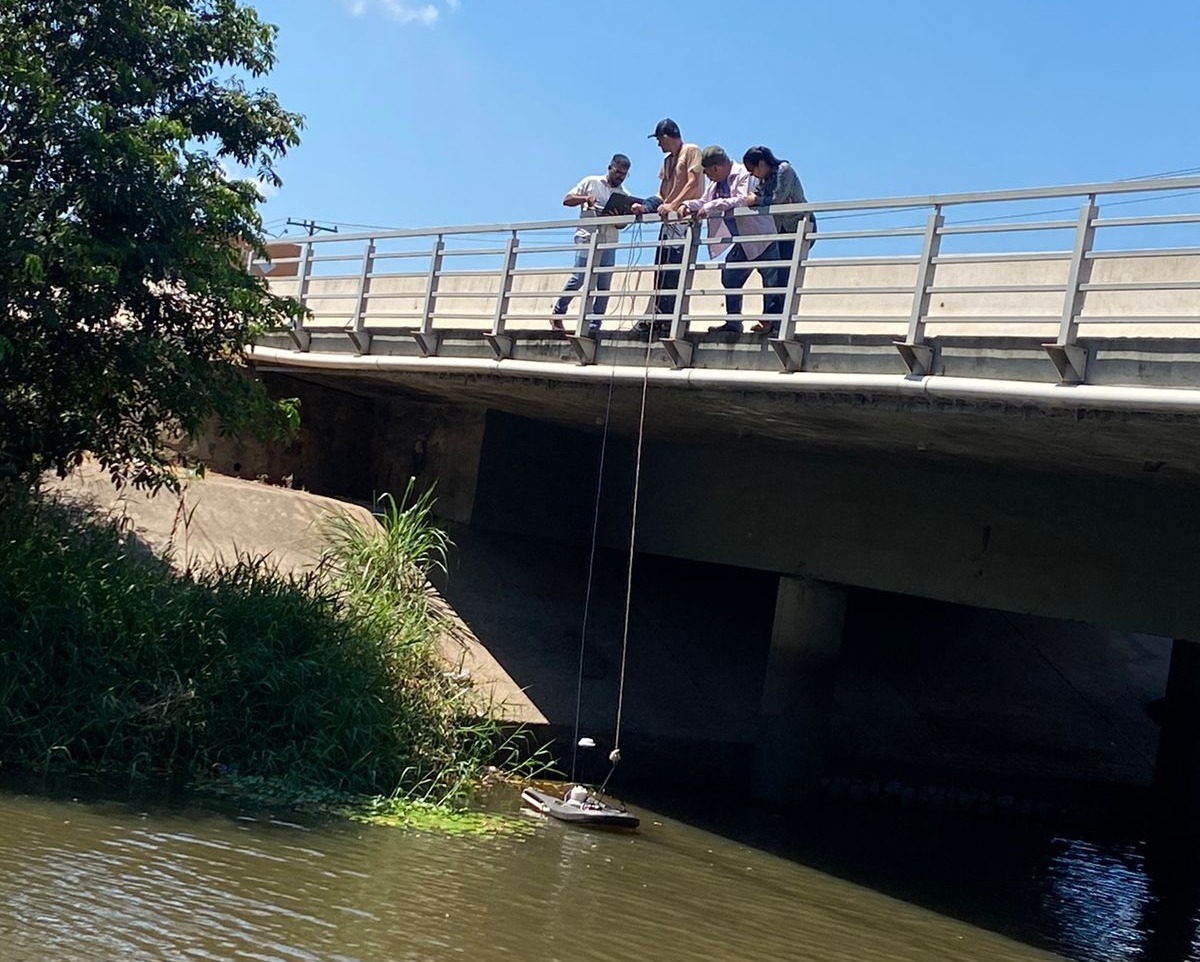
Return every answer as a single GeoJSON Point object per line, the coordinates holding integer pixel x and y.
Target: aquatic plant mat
{"type": "Point", "coordinates": [111, 661]}
{"type": "Point", "coordinates": [419, 815]}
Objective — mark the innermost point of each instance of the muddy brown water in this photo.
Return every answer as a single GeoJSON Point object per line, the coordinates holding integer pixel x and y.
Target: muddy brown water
{"type": "Point", "coordinates": [126, 880]}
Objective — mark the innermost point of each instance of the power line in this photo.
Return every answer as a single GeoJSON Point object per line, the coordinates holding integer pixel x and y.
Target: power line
{"type": "Point", "coordinates": [1182, 172]}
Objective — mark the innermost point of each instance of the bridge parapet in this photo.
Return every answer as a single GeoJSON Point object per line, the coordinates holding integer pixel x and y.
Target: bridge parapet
{"type": "Point", "coordinates": [985, 284]}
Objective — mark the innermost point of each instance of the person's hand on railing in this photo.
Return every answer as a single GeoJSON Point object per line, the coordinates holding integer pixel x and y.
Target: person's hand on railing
{"type": "Point", "coordinates": [752, 200]}
{"type": "Point", "coordinates": [638, 209]}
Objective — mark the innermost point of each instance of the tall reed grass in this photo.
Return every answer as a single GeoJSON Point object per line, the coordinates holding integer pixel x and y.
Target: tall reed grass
{"type": "Point", "coordinates": [112, 661]}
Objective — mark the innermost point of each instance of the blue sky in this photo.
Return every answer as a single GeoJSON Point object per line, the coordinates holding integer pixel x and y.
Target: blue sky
{"type": "Point", "coordinates": [435, 112]}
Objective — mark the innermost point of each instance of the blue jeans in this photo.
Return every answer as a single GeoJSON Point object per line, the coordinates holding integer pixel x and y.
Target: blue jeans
{"type": "Point", "coordinates": [604, 258]}
{"type": "Point", "coordinates": [734, 277]}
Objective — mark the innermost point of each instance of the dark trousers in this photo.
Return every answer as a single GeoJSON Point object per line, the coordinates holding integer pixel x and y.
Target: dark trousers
{"type": "Point", "coordinates": [779, 277]}
{"type": "Point", "coordinates": [734, 276]}
{"type": "Point", "coordinates": [667, 279]}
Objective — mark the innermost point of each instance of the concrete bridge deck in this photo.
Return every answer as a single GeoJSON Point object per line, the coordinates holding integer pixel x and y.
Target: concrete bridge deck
{"type": "Point", "coordinates": [1052, 341]}
{"type": "Point", "coordinates": [955, 404]}
{"type": "Point", "coordinates": [965, 285]}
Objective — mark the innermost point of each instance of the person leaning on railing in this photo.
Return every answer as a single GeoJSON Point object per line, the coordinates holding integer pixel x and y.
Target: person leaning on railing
{"type": "Point", "coordinates": [680, 180]}
{"type": "Point", "coordinates": [779, 184]}
{"type": "Point", "coordinates": [729, 186]}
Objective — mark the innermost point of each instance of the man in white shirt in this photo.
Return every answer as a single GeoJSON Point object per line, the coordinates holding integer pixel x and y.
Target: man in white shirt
{"type": "Point", "coordinates": [728, 186]}
{"type": "Point", "coordinates": [591, 194]}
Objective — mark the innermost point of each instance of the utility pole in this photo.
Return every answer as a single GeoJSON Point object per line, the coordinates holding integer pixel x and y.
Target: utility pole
{"type": "Point", "coordinates": [311, 226]}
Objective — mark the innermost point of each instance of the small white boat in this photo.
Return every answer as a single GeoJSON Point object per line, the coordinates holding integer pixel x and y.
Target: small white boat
{"type": "Point", "coordinates": [580, 808]}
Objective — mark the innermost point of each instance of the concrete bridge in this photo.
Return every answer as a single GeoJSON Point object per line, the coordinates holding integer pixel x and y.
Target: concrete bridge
{"type": "Point", "coordinates": [987, 399]}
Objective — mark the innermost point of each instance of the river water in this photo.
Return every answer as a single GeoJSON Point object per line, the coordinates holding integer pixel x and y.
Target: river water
{"type": "Point", "coordinates": [120, 880]}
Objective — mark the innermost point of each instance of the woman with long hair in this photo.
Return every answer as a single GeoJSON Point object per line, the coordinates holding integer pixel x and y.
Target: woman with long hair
{"type": "Point", "coordinates": [778, 184]}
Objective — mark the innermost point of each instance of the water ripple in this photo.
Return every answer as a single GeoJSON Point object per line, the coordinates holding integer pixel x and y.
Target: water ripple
{"type": "Point", "coordinates": [83, 883]}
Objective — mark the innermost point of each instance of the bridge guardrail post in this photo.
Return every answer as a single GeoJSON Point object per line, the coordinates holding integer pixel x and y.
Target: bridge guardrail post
{"type": "Point", "coordinates": [426, 338]}
{"type": "Point", "coordinates": [585, 347]}
{"type": "Point", "coordinates": [501, 343]}
{"type": "Point", "coordinates": [918, 356]}
{"type": "Point", "coordinates": [789, 350]}
{"type": "Point", "coordinates": [300, 337]}
{"type": "Point", "coordinates": [359, 336]}
{"type": "Point", "coordinates": [677, 346]}
{"type": "Point", "coordinates": [1067, 356]}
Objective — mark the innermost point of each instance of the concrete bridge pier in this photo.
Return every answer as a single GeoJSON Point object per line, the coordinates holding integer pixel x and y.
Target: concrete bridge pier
{"type": "Point", "coordinates": [1177, 769]}
{"type": "Point", "coordinates": [797, 699]}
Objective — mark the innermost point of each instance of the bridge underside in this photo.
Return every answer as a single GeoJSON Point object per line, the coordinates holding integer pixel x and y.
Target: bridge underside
{"type": "Point", "coordinates": [1058, 512]}
{"type": "Point", "coordinates": [1025, 436]}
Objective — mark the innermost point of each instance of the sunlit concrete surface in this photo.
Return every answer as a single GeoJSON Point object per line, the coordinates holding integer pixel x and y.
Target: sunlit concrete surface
{"type": "Point", "coordinates": [216, 520]}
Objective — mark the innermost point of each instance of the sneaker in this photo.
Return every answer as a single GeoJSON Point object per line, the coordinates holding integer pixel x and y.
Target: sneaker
{"type": "Point", "coordinates": [729, 327]}
{"type": "Point", "coordinates": [770, 328]}
{"type": "Point", "coordinates": [593, 332]}
{"type": "Point", "coordinates": [659, 328]}
{"type": "Point", "coordinates": [556, 323]}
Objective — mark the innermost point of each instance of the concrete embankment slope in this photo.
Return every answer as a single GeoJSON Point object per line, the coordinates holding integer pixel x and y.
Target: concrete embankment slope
{"type": "Point", "coordinates": [217, 519]}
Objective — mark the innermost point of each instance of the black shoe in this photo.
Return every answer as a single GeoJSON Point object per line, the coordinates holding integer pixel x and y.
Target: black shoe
{"type": "Point", "coordinates": [593, 332]}
{"type": "Point", "coordinates": [729, 327]}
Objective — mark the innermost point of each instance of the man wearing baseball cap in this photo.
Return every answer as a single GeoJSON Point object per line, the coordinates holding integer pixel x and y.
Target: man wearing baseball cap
{"type": "Point", "coordinates": [680, 179]}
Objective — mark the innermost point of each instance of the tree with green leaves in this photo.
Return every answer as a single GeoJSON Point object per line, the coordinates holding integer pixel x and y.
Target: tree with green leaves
{"type": "Point", "coordinates": [125, 305]}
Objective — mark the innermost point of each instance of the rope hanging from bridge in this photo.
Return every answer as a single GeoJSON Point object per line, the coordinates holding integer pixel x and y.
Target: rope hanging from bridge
{"type": "Point", "coordinates": [615, 755]}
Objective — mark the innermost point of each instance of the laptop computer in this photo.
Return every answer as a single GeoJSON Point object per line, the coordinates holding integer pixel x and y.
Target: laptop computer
{"type": "Point", "coordinates": [619, 204]}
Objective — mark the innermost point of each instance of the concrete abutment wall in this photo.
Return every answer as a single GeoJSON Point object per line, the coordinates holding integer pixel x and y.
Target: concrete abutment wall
{"type": "Point", "coordinates": [360, 447]}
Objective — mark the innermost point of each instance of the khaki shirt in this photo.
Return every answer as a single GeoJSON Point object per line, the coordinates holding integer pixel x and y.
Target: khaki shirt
{"type": "Point", "coordinates": [675, 171]}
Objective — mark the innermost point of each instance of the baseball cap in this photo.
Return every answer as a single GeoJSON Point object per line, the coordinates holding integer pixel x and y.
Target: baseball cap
{"type": "Point", "coordinates": [711, 156]}
{"type": "Point", "coordinates": [666, 127]}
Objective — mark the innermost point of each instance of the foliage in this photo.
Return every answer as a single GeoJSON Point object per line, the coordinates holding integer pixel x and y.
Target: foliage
{"type": "Point", "coordinates": [124, 306]}
{"type": "Point", "coordinates": [433, 818]}
{"type": "Point", "coordinates": [392, 812]}
{"type": "Point", "coordinates": [380, 576]}
{"type": "Point", "coordinates": [110, 661]}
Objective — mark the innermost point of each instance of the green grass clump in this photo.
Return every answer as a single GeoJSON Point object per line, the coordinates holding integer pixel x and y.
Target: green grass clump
{"type": "Point", "coordinates": [414, 814]}
{"type": "Point", "coordinates": [110, 661]}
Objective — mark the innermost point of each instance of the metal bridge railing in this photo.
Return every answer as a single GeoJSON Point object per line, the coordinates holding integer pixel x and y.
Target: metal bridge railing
{"type": "Point", "coordinates": [995, 264]}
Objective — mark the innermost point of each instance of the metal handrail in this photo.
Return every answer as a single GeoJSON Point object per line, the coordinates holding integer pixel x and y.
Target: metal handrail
{"type": "Point", "coordinates": [874, 205]}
